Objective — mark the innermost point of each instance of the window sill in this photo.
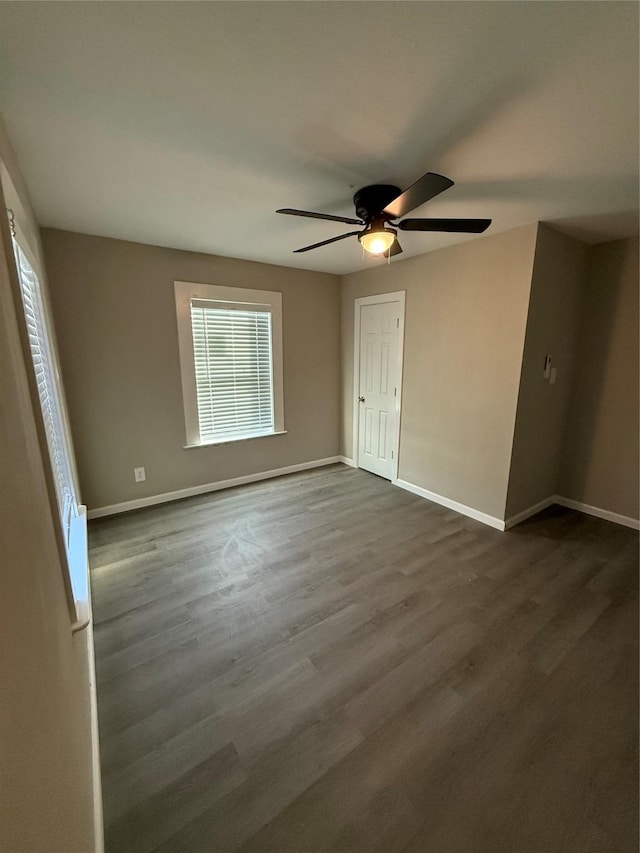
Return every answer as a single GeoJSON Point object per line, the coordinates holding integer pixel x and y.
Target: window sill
{"type": "Point", "coordinates": [233, 440]}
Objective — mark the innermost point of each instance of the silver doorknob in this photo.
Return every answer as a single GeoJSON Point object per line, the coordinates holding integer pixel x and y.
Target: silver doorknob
{"type": "Point", "coordinates": [361, 399]}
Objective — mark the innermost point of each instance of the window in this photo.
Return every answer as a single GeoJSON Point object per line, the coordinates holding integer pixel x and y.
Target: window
{"type": "Point", "coordinates": [231, 359]}
{"type": "Point", "coordinates": [72, 517]}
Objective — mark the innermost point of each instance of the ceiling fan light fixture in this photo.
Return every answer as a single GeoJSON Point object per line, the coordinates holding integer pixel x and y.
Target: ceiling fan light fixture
{"type": "Point", "coordinates": [377, 239]}
{"type": "Point", "coordinates": [377, 205]}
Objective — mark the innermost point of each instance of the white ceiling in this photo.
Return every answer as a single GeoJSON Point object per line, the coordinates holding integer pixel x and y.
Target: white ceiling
{"type": "Point", "coordinates": [187, 124]}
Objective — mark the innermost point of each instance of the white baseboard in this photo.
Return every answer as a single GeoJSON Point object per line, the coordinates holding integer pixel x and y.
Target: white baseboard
{"type": "Point", "coordinates": [139, 503]}
{"type": "Point", "coordinates": [348, 461]}
{"type": "Point", "coordinates": [606, 514]}
{"type": "Point", "coordinates": [569, 503]}
{"type": "Point", "coordinates": [532, 510]}
{"type": "Point", "coordinates": [463, 509]}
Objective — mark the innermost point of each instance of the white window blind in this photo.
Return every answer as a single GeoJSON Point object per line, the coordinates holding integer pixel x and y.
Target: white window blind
{"type": "Point", "coordinates": [44, 369]}
{"type": "Point", "coordinates": [233, 361]}
{"type": "Point", "coordinates": [231, 354]}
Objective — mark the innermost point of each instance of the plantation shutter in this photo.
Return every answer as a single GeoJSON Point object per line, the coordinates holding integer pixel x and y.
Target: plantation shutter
{"type": "Point", "coordinates": [46, 382]}
{"type": "Point", "coordinates": [233, 370]}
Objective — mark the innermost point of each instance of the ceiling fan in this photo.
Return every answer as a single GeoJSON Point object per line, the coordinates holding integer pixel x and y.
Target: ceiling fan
{"type": "Point", "coordinates": [378, 205]}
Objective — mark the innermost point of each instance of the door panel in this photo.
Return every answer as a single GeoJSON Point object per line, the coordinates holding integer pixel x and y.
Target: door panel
{"type": "Point", "coordinates": [384, 368]}
{"type": "Point", "coordinates": [383, 437]}
{"type": "Point", "coordinates": [379, 381]}
{"type": "Point", "coordinates": [370, 368]}
{"type": "Point", "coordinates": [368, 432]}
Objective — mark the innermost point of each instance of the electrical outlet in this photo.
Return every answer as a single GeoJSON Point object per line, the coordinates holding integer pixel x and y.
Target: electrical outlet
{"type": "Point", "coordinates": [139, 475]}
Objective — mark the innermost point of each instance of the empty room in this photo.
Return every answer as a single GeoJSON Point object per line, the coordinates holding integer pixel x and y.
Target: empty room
{"type": "Point", "coordinates": [319, 425]}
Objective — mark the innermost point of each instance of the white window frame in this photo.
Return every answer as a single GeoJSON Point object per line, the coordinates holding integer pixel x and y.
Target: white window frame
{"type": "Point", "coordinates": [258, 300]}
{"type": "Point", "coordinates": [70, 526]}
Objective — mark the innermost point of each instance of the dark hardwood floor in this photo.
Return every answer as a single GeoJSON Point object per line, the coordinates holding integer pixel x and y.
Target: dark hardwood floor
{"type": "Point", "coordinates": [324, 662]}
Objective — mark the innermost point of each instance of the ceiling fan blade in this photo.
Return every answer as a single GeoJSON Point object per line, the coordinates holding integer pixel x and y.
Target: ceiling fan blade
{"type": "Point", "coordinates": [292, 212]}
{"type": "Point", "coordinates": [455, 226]}
{"type": "Point", "coordinates": [425, 188]}
{"type": "Point", "coordinates": [326, 242]}
{"type": "Point", "coordinates": [396, 249]}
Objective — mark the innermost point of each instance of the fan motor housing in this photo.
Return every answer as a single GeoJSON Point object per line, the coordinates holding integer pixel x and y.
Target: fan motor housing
{"type": "Point", "coordinates": [371, 201]}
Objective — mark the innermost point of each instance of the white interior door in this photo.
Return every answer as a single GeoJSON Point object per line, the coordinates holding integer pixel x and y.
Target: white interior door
{"type": "Point", "coordinates": [380, 373]}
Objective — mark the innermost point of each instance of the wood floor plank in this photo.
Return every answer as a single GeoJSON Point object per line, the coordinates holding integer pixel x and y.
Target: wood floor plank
{"type": "Point", "coordinates": [176, 804]}
{"type": "Point", "coordinates": [324, 662]}
{"type": "Point", "coordinates": [274, 782]}
{"type": "Point", "coordinates": [320, 815]}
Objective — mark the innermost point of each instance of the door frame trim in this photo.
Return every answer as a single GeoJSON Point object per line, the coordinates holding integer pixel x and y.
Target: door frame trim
{"type": "Point", "coordinates": [377, 299]}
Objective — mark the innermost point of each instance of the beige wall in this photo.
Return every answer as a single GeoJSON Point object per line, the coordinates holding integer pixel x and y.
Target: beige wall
{"type": "Point", "coordinates": [114, 308]}
{"type": "Point", "coordinates": [466, 313]}
{"type": "Point", "coordinates": [552, 326]}
{"type": "Point", "coordinates": [601, 462]}
{"type": "Point", "coordinates": [46, 782]}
